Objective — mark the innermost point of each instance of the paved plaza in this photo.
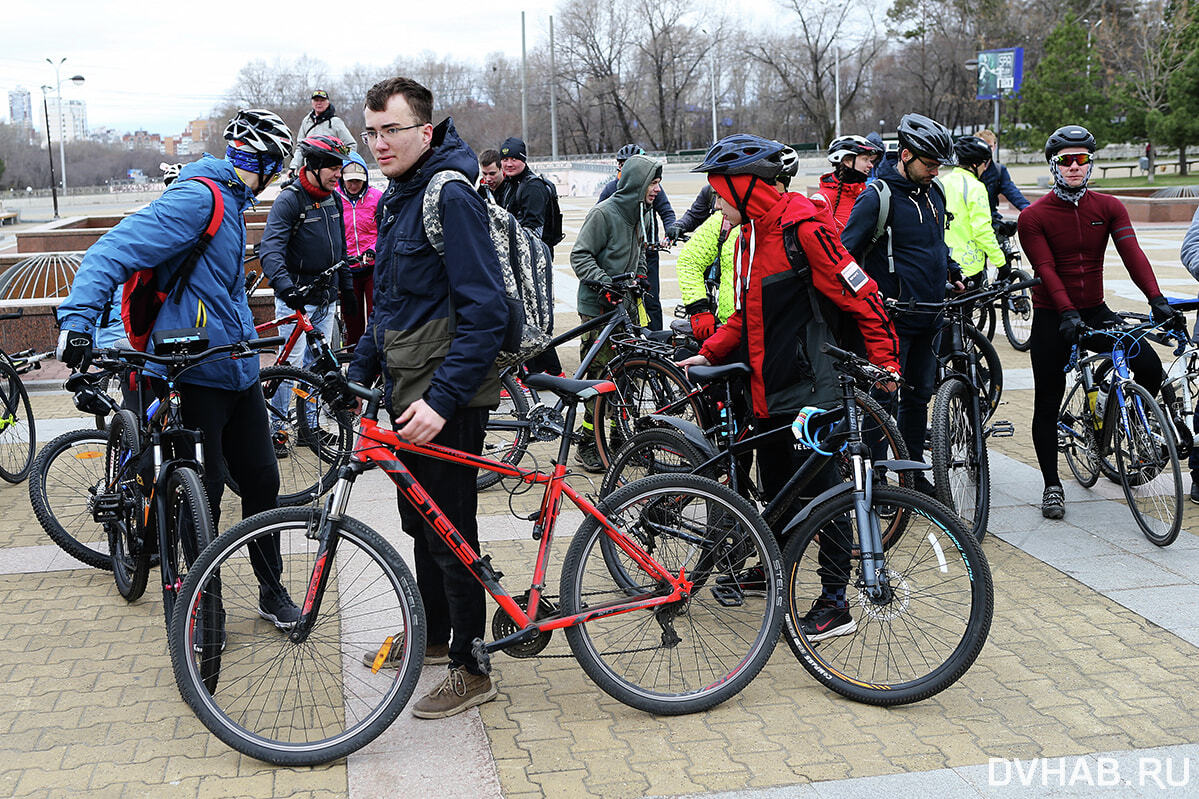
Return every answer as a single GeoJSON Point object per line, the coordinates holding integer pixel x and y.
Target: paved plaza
{"type": "Point", "coordinates": [1086, 686]}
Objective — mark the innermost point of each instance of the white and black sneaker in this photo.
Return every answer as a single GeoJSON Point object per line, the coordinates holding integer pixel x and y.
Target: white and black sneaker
{"type": "Point", "coordinates": [280, 611]}
{"type": "Point", "coordinates": [1053, 502]}
{"type": "Point", "coordinates": [826, 619]}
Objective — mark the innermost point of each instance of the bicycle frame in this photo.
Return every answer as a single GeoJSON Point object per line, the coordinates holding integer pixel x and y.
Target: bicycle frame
{"type": "Point", "coordinates": [376, 446]}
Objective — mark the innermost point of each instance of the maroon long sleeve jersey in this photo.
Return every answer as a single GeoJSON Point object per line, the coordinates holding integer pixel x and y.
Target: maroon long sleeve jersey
{"type": "Point", "coordinates": [1065, 246]}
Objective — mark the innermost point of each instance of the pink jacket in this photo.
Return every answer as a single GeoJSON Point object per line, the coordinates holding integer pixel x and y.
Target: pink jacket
{"type": "Point", "coordinates": [359, 218]}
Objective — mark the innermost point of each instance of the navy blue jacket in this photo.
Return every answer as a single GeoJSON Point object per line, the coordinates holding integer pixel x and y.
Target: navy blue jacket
{"type": "Point", "coordinates": [414, 289]}
{"type": "Point", "coordinates": [662, 208]}
{"type": "Point", "coordinates": [161, 235]}
{"type": "Point", "coordinates": [319, 241]}
{"type": "Point", "coordinates": [997, 180]}
{"type": "Point", "coordinates": [918, 228]}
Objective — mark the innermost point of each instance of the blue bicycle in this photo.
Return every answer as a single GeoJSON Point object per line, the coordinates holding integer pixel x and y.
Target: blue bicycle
{"type": "Point", "coordinates": [1106, 414]}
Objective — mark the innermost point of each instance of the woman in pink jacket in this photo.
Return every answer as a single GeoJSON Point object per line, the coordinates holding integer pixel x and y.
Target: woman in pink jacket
{"type": "Point", "coordinates": [358, 201]}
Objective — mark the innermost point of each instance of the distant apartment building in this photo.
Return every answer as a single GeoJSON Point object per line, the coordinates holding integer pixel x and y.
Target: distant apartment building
{"type": "Point", "coordinates": [69, 123]}
{"type": "Point", "coordinates": [20, 109]}
{"type": "Point", "coordinates": [141, 140]}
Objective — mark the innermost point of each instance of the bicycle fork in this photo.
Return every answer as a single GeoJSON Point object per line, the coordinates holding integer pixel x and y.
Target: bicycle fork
{"type": "Point", "coordinates": [323, 533]}
{"type": "Point", "coordinates": [870, 536]}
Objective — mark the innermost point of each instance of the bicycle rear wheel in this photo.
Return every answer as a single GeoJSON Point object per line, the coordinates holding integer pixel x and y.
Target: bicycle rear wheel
{"type": "Point", "coordinates": [919, 637]}
{"type": "Point", "coordinates": [312, 437]}
{"type": "Point", "coordinates": [658, 450]}
{"type": "Point", "coordinates": [189, 528]}
{"type": "Point", "coordinates": [1016, 309]}
{"type": "Point", "coordinates": [308, 702]}
{"type": "Point", "coordinates": [961, 470]}
{"type": "Point", "coordinates": [1148, 463]}
{"type": "Point", "coordinates": [644, 385]}
{"type": "Point", "coordinates": [505, 444]}
{"type": "Point", "coordinates": [127, 542]}
{"type": "Point", "coordinates": [983, 318]}
{"type": "Point", "coordinates": [1076, 436]}
{"type": "Point", "coordinates": [18, 439]}
{"type": "Point", "coordinates": [66, 475]}
{"type": "Point", "coordinates": [697, 652]}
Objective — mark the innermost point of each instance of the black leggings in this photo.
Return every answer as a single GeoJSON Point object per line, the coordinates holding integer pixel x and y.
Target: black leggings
{"type": "Point", "coordinates": [1050, 354]}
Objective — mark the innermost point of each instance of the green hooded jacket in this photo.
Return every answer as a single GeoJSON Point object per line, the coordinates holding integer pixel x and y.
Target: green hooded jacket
{"type": "Point", "coordinates": [612, 239]}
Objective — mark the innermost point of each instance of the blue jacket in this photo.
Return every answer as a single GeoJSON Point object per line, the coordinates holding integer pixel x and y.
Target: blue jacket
{"type": "Point", "coordinates": [161, 235]}
{"type": "Point", "coordinates": [917, 227]}
{"type": "Point", "coordinates": [998, 181]}
{"type": "Point", "coordinates": [410, 336]}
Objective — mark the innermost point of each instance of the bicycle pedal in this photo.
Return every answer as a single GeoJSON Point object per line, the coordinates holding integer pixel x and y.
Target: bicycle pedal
{"type": "Point", "coordinates": [106, 508]}
{"type": "Point", "coordinates": [728, 596]}
{"type": "Point", "coordinates": [478, 650]}
{"type": "Point", "coordinates": [1001, 429]}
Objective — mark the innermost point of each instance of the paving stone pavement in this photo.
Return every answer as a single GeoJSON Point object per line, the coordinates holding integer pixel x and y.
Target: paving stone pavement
{"type": "Point", "coordinates": [1091, 658]}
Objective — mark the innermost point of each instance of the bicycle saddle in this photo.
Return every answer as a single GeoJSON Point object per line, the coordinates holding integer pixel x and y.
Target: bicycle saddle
{"type": "Point", "coordinates": [566, 387]}
{"type": "Point", "coordinates": [710, 374]}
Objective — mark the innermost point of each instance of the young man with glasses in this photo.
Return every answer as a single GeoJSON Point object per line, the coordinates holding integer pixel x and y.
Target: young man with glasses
{"type": "Point", "coordinates": [437, 326]}
{"type": "Point", "coordinates": [1065, 235]}
{"type": "Point", "coordinates": [909, 261]}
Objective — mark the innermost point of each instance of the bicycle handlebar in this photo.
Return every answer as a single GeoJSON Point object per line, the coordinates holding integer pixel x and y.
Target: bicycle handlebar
{"type": "Point", "coordinates": [855, 365]}
{"type": "Point", "coordinates": [116, 356]}
{"type": "Point", "coordinates": [970, 298]}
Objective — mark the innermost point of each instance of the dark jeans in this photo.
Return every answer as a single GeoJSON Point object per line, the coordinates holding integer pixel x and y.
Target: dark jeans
{"type": "Point", "coordinates": [1050, 353]}
{"type": "Point", "coordinates": [653, 303]}
{"type": "Point", "coordinates": [454, 600]}
{"type": "Point", "coordinates": [237, 441]}
{"type": "Point", "coordinates": [918, 363]}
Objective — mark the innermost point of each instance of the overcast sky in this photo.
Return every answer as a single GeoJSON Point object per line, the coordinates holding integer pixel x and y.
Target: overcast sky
{"type": "Point", "coordinates": [150, 66]}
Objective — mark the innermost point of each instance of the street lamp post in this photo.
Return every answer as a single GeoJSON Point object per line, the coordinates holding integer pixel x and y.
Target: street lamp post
{"type": "Point", "coordinates": [50, 150]}
{"type": "Point", "coordinates": [712, 77]}
{"type": "Point", "coordinates": [62, 157]}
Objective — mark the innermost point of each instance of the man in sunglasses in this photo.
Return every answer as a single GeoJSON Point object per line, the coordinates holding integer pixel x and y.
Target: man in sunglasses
{"type": "Point", "coordinates": [1065, 235]}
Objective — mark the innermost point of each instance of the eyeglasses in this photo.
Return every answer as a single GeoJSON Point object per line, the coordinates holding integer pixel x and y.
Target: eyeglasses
{"type": "Point", "coordinates": [388, 132]}
{"type": "Point", "coordinates": [929, 164]}
{"type": "Point", "coordinates": [1066, 159]}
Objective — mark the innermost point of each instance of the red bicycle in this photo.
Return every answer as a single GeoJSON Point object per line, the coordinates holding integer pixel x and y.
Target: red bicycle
{"type": "Point", "coordinates": [649, 599]}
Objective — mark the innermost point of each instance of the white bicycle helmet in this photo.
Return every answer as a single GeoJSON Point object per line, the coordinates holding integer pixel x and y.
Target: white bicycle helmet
{"type": "Point", "coordinates": [851, 145]}
{"type": "Point", "coordinates": [169, 172]}
{"type": "Point", "coordinates": [259, 131]}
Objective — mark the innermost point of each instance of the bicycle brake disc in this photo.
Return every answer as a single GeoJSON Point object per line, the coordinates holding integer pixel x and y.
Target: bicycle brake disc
{"type": "Point", "coordinates": [502, 625]}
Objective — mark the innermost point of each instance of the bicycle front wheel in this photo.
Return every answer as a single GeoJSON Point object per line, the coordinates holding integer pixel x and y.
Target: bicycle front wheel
{"type": "Point", "coordinates": [1076, 436]}
{"type": "Point", "coordinates": [1017, 314]}
{"type": "Point", "coordinates": [692, 654]}
{"type": "Point", "coordinates": [127, 543]}
{"type": "Point", "coordinates": [961, 468]}
{"type": "Point", "coordinates": [1148, 464]}
{"type": "Point", "coordinates": [189, 528]}
{"type": "Point", "coordinates": [311, 436]}
{"type": "Point", "coordinates": [644, 385]}
{"type": "Point", "coordinates": [502, 439]}
{"type": "Point", "coordinates": [17, 433]}
{"type": "Point", "coordinates": [923, 629]}
{"type": "Point", "coordinates": [65, 478]}
{"type": "Point", "coordinates": [298, 703]}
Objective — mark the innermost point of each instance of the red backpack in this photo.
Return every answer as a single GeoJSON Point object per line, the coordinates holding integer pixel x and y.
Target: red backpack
{"type": "Point", "coordinates": [141, 299]}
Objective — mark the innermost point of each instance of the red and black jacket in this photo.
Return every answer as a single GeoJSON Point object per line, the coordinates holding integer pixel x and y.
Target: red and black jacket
{"type": "Point", "coordinates": [786, 250]}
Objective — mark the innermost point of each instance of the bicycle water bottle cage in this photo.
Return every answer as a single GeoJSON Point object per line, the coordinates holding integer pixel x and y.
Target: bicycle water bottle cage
{"type": "Point", "coordinates": [186, 341]}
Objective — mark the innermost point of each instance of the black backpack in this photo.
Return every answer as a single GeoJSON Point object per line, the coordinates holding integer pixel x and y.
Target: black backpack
{"type": "Point", "coordinates": [552, 233]}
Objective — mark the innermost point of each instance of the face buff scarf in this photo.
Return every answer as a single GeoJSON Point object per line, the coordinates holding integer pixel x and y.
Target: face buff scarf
{"type": "Point", "coordinates": [1068, 193]}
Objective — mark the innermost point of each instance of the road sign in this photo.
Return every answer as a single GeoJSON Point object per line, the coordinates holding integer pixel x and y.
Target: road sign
{"type": "Point", "coordinates": [1000, 72]}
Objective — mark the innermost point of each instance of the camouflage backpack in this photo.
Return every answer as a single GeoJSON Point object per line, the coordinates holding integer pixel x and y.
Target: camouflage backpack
{"type": "Point", "coordinates": [526, 266]}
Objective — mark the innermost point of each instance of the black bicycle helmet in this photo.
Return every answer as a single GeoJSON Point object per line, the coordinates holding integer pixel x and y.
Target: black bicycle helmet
{"type": "Point", "coordinates": [627, 152]}
{"type": "Point", "coordinates": [926, 138]}
{"type": "Point", "coordinates": [744, 154]}
{"type": "Point", "coordinates": [972, 150]}
{"type": "Point", "coordinates": [1069, 136]}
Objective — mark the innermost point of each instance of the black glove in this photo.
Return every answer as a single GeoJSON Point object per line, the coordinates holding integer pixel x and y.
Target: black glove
{"type": "Point", "coordinates": [367, 258]}
{"type": "Point", "coordinates": [74, 349]}
{"type": "Point", "coordinates": [672, 233]}
{"type": "Point", "coordinates": [336, 391]}
{"type": "Point", "coordinates": [1167, 315]}
{"type": "Point", "coordinates": [349, 303]}
{"type": "Point", "coordinates": [1070, 326]}
{"type": "Point", "coordinates": [1005, 271]}
{"type": "Point", "coordinates": [293, 297]}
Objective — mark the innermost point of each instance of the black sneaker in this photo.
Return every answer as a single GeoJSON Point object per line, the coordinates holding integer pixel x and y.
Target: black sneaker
{"type": "Point", "coordinates": [924, 486]}
{"type": "Point", "coordinates": [826, 620]}
{"type": "Point", "coordinates": [280, 611]}
{"type": "Point", "coordinates": [751, 581]}
{"type": "Point", "coordinates": [279, 440]}
{"type": "Point", "coordinates": [588, 457]}
{"type": "Point", "coordinates": [1053, 502]}
{"type": "Point", "coordinates": [1194, 491]}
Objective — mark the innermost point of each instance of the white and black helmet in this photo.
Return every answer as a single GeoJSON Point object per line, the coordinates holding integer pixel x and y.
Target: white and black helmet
{"type": "Point", "coordinates": [257, 131]}
{"type": "Point", "coordinates": [851, 146]}
{"type": "Point", "coordinates": [169, 172]}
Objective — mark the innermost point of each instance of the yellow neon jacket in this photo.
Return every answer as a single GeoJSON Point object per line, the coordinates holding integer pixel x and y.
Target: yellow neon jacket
{"type": "Point", "coordinates": [697, 255]}
{"type": "Point", "coordinates": [969, 237]}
